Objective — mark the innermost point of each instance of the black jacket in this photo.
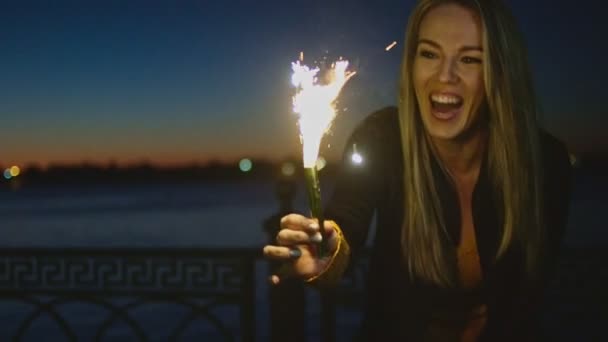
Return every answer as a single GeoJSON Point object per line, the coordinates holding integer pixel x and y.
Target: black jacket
{"type": "Point", "coordinates": [399, 308]}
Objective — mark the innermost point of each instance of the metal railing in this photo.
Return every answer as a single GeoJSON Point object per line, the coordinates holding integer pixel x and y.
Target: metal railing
{"type": "Point", "coordinates": [107, 294]}
{"type": "Point", "coordinates": [123, 281]}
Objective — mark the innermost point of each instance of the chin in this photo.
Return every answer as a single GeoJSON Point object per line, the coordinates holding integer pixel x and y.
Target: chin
{"type": "Point", "coordinates": [444, 130]}
{"type": "Point", "coordinates": [444, 134]}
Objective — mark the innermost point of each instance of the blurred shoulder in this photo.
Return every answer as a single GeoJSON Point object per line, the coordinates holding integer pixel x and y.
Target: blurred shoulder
{"type": "Point", "coordinates": [553, 150]}
{"type": "Point", "coordinates": [557, 169]}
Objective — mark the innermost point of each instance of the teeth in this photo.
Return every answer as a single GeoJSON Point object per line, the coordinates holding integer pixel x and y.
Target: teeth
{"type": "Point", "coordinates": [446, 99]}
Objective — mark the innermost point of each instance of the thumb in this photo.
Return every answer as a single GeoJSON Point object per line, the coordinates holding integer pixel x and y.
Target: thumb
{"type": "Point", "coordinates": [330, 235]}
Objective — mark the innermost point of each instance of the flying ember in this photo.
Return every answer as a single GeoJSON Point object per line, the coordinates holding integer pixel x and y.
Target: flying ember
{"type": "Point", "coordinates": [390, 46]}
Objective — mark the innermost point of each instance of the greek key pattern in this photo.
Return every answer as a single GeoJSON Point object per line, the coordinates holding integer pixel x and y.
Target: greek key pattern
{"type": "Point", "coordinates": [121, 272]}
{"type": "Point", "coordinates": [202, 284]}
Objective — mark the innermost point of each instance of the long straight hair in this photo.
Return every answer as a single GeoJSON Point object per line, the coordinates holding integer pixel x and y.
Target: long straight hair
{"type": "Point", "coordinates": [514, 163]}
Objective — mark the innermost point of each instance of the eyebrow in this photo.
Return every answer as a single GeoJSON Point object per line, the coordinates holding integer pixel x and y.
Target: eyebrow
{"type": "Point", "coordinates": [464, 48]}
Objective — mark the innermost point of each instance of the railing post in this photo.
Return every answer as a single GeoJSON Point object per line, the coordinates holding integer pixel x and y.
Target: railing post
{"type": "Point", "coordinates": [288, 298]}
{"type": "Point", "coordinates": [248, 288]}
{"type": "Point", "coordinates": [328, 315]}
{"type": "Point", "coordinates": [288, 311]}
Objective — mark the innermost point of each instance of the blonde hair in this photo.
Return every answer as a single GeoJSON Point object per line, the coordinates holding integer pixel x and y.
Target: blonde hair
{"type": "Point", "coordinates": [513, 149]}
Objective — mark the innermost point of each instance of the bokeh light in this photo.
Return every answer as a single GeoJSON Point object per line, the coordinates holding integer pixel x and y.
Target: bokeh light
{"type": "Point", "coordinates": [245, 165]}
{"type": "Point", "coordinates": [356, 158]}
{"type": "Point", "coordinates": [15, 171]}
{"type": "Point", "coordinates": [288, 169]}
{"type": "Point", "coordinates": [7, 174]}
{"type": "Point", "coordinates": [321, 163]}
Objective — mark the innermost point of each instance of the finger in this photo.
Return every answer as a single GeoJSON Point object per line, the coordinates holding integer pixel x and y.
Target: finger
{"type": "Point", "coordinates": [329, 228]}
{"type": "Point", "coordinates": [288, 237]}
{"type": "Point", "coordinates": [284, 272]}
{"type": "Point", "coordinates": [281, 253]}
{"type": "Point", "coordinates": [330, 234]}
{"type": "Point", "coordinates": [299, 222]}
{"type": "Point", "coordinates": [274, 279]}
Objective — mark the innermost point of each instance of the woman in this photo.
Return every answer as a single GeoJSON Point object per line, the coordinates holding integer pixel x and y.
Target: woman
{"type": "Point", "coordinates": [470, 195]}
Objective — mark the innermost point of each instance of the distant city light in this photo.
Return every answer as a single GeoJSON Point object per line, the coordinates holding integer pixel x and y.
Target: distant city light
{"type": "Point", "coordinates": [7, 174]}
{"type": "Point", "coordinates": [356, 157]}
{"type": "Point", "coordinates": [321, 163]}
{"type": "Point", "coordinates": [15, 171]}
{"type": "Point", "coordinates": [288, 169]}
{"type": "Point", "coordinates": [245, 165]}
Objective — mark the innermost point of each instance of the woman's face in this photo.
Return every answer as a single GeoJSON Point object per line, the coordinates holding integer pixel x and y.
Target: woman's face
{"type": "Point", "coordinates": [448, 71]}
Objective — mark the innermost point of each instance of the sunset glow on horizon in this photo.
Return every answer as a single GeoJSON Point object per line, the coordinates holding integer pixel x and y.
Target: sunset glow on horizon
{"type": "Point", "coordinates": [188, 83]}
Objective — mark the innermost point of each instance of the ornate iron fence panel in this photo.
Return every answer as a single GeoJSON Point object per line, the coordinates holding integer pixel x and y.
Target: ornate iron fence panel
{"type": "Point", "coordinates": [213, 289]}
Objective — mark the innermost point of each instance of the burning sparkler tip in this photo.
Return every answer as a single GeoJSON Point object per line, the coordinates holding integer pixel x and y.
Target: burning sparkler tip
{"type": "Point", "coordinates": [314, 103]}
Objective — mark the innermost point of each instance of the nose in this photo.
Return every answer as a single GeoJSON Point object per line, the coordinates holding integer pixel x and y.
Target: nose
{"type": "Point", "coordinates": [447, 73]}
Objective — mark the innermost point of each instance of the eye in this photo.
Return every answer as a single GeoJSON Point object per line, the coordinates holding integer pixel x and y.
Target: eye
{"type": "Point", "coordinates": [427, 54]}
{"type": "Point", "coordinates": [471, 60]}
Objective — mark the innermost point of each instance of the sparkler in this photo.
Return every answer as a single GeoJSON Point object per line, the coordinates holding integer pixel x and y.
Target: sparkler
{"type": "Point", "coordinates": [314, 104]}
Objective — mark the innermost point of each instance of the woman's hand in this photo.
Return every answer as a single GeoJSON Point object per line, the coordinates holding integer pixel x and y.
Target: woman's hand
{"type": "Point", "coordinates": [296, 246]}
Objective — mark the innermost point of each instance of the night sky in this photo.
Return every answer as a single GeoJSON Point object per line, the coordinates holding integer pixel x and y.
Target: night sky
{"type": "Point", "coordinates": [193, 81]}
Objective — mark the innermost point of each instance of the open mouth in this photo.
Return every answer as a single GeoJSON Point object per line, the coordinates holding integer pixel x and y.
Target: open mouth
{"type": "Point", "coordinates": [446, 106]}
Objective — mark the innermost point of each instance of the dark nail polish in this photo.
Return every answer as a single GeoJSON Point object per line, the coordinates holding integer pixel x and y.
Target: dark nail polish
{"type": "Point", "coordinates": [295, 253]}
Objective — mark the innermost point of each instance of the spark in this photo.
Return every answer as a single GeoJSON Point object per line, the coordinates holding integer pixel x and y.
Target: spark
{"type": "Point", "coordinates": [314, 104]}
